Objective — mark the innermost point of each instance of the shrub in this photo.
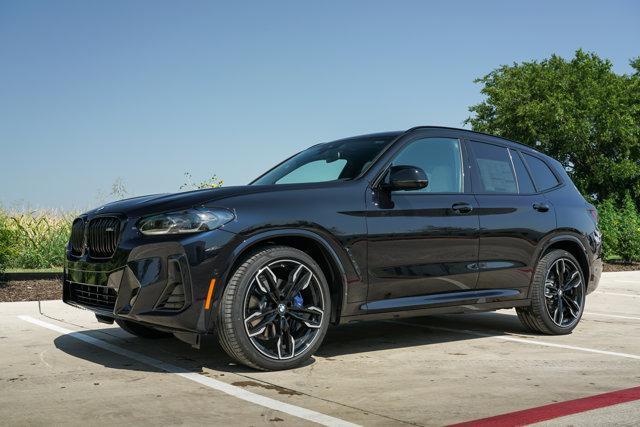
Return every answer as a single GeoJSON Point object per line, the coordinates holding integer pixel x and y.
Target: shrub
{"type": "Point", "coordinates": [213, 182]}
{"type": "Point", "coordinates": [620, 228]}
{"type": "Point", "coordinates": [609, 217]}
{"type": "Point", "coordinates": [7, 243]}
{"type": "Point", "coordinates": [629, 238]}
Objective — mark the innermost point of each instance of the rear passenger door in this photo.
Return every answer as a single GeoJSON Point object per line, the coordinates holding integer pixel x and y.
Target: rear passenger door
{"type": "Point", "coordinates": [514, 216]}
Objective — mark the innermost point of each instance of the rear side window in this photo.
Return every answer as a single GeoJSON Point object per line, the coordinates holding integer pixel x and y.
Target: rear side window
{"type": "Point", "coordinates": [542, 175]}
{"type": "Point", "coordinates": [525, 185]}
{"type": "Point", "coordinates": [494, 168]}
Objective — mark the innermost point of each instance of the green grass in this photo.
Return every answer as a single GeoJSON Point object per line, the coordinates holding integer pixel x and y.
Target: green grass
{"type": "Point", "coordinates": [34, 270]}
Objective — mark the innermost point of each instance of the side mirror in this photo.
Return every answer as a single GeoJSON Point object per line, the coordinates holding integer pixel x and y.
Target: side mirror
{"type": "Point", "coordinates": [405, 178]}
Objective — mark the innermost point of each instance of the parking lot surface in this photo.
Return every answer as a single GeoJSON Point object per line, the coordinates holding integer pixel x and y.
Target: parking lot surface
{"type": "Point", "coordinates": [60, 366]}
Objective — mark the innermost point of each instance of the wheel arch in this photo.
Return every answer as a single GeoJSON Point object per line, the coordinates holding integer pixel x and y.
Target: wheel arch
{"type": "Point", "coordinates": [307, 241]}
{"type": "Point", "coordinates": [574, 246]}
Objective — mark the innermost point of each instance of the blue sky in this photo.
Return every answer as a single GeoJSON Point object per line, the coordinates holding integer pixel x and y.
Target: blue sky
{"type": "Point", "coordinates": [145, 91]}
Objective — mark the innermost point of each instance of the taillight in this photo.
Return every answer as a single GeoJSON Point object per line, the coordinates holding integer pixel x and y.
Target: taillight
{"type": "Point", "coordinates": [594, 214]}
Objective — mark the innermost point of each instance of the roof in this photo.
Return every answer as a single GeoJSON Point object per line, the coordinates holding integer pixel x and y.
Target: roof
{"type": "Point", "coordinates": [472, 132]}
{"type": "Point", "coordinates": [468, 132]}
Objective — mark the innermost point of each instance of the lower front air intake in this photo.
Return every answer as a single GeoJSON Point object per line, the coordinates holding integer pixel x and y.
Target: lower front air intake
{"type": "Point", "coordinates": [173, 297]}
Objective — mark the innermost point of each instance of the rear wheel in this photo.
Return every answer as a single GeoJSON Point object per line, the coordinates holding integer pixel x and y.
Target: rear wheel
{"type": "Point", "coordinates": [274, 312]}
{"type": "Point", "coordinates": [557, 295]}
{"type": "Point", "coordinates": [140, 330]}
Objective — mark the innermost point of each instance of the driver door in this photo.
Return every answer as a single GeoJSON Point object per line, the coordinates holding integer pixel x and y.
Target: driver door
{"type": "Point", "coordinates": [426, 241]}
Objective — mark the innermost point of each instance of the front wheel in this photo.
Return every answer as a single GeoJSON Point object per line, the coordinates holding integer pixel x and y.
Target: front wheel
{"type": "Point", "coordinates": [557, 295]}
{"type": "Point", "coordinates": [275, 310]}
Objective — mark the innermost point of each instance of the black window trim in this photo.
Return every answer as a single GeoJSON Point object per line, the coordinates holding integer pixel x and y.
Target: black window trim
{"type": "Point", "coordinates": [526, 168]}
{"type": "Point", "coordinates": [513, 169]}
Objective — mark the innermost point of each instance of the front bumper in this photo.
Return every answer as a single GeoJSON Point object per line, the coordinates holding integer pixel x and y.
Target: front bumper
{"type": "Point", "coordinates": [161, 282]}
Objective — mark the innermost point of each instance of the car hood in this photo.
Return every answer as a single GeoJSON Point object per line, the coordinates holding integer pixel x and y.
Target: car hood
{"type": "Point", "coordinates": [156, 203]}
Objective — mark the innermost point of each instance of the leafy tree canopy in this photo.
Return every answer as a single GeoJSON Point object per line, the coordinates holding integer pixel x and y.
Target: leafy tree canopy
{"type": "Point", "coordinates": [578, 111]}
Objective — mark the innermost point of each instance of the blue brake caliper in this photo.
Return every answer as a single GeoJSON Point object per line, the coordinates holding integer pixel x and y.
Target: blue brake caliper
{"type": "Point", "coordinates": [297, 301]}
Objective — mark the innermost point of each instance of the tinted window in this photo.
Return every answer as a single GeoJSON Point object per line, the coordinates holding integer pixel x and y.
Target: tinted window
{"type": "Point", "coordinates": [339, 160]}
{"type": "Point", "coordinates": [441, 160]}
{"type": "Point", "coordinates": [317, 171]}
{"type": "Point", "coordinates": [494, 168]}
{"type": "Point", "coordinates": [542, 175]}
{"type": "Point", "coordinates": [525, 185]}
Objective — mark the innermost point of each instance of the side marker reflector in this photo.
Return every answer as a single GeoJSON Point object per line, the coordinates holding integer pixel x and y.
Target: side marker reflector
{"type": "Point", "coordinates": [207, 303]}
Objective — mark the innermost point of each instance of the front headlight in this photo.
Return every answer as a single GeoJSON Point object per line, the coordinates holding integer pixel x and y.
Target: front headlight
{"type": "Point", "coordinates": [187, 221]}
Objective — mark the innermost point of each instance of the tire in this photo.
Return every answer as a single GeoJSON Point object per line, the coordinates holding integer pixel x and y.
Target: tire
{"type": "Point", "coordinates": [250, 321]}
{"type": "Point", "coordinates": [141, 331]}
{"type": "Point", "coordinates": [556, 304]}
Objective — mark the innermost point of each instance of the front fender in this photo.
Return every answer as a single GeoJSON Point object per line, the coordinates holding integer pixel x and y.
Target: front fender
{"type": "Point", "coordinates": [348, 270]}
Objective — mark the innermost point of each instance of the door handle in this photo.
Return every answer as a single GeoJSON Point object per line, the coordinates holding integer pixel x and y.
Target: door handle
{"type": "Point", "coordinates": [461, 208]}
{"type": "Point", "coordinates": [541, 207]}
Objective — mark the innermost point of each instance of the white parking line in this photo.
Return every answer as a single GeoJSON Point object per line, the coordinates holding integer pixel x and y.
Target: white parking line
{"type": "Point", "coordinates": [521, 340]}
{"type": "Point", "coordinates": [229, 389]}
{"type": "Point", "coordinates": [617, 294]}
{"type": "Point", "coordinates": [615, 316]}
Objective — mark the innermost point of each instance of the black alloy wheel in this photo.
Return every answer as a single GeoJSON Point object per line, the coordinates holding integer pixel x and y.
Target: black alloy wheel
{"type": "Point", "coordinates": [275, 310]}
{"type": "Point", "coordinates": [563, 292]}
{"type": "Point", "coordinates": [283, 309]}
{"type": "Point", "coordinates": [558, 291]}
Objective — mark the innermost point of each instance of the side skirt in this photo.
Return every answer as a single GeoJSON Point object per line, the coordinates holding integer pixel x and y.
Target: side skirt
{"type": "Point", "coordinates": [448, 303]}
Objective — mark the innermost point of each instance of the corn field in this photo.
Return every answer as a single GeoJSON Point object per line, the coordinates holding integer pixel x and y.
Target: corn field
{"type": "Point", "coordinates": [33, 240]}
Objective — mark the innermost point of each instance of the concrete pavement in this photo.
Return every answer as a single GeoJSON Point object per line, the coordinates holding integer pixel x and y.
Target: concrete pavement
{"type": "Point", "coordinates": [62, 367]}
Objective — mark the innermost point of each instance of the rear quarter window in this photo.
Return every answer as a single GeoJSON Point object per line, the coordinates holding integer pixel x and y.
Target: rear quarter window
{"type": "Point", "coordinates": [525, 184]}
{"type": "Point", "coordinates": [542, 175]}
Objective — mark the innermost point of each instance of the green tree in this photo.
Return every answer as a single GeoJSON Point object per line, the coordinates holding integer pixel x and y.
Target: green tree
{"type": "Point", "coordinates": [578, 111]}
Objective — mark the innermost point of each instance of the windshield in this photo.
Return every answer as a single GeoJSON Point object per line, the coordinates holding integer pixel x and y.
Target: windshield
{"type": "Point", "coordinates": [332, 161]}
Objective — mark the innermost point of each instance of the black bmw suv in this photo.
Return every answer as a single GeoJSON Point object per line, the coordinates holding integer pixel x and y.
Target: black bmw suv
{"type": "Point", "coordinates": [425, 221]}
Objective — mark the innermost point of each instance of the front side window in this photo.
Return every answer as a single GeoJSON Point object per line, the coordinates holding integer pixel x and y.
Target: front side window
{"type": "Point", "coordinates": [332, 161]}
{"type": "Point", "coordinates": [441, 160]}
{"type": "Point", "coordinates": [494, 169]}
{"type": "Point", "coordinates": [542, 175]}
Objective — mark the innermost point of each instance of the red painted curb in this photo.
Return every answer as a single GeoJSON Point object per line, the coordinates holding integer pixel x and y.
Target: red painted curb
{"type": "Point", "coordinates": [556, 410]}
